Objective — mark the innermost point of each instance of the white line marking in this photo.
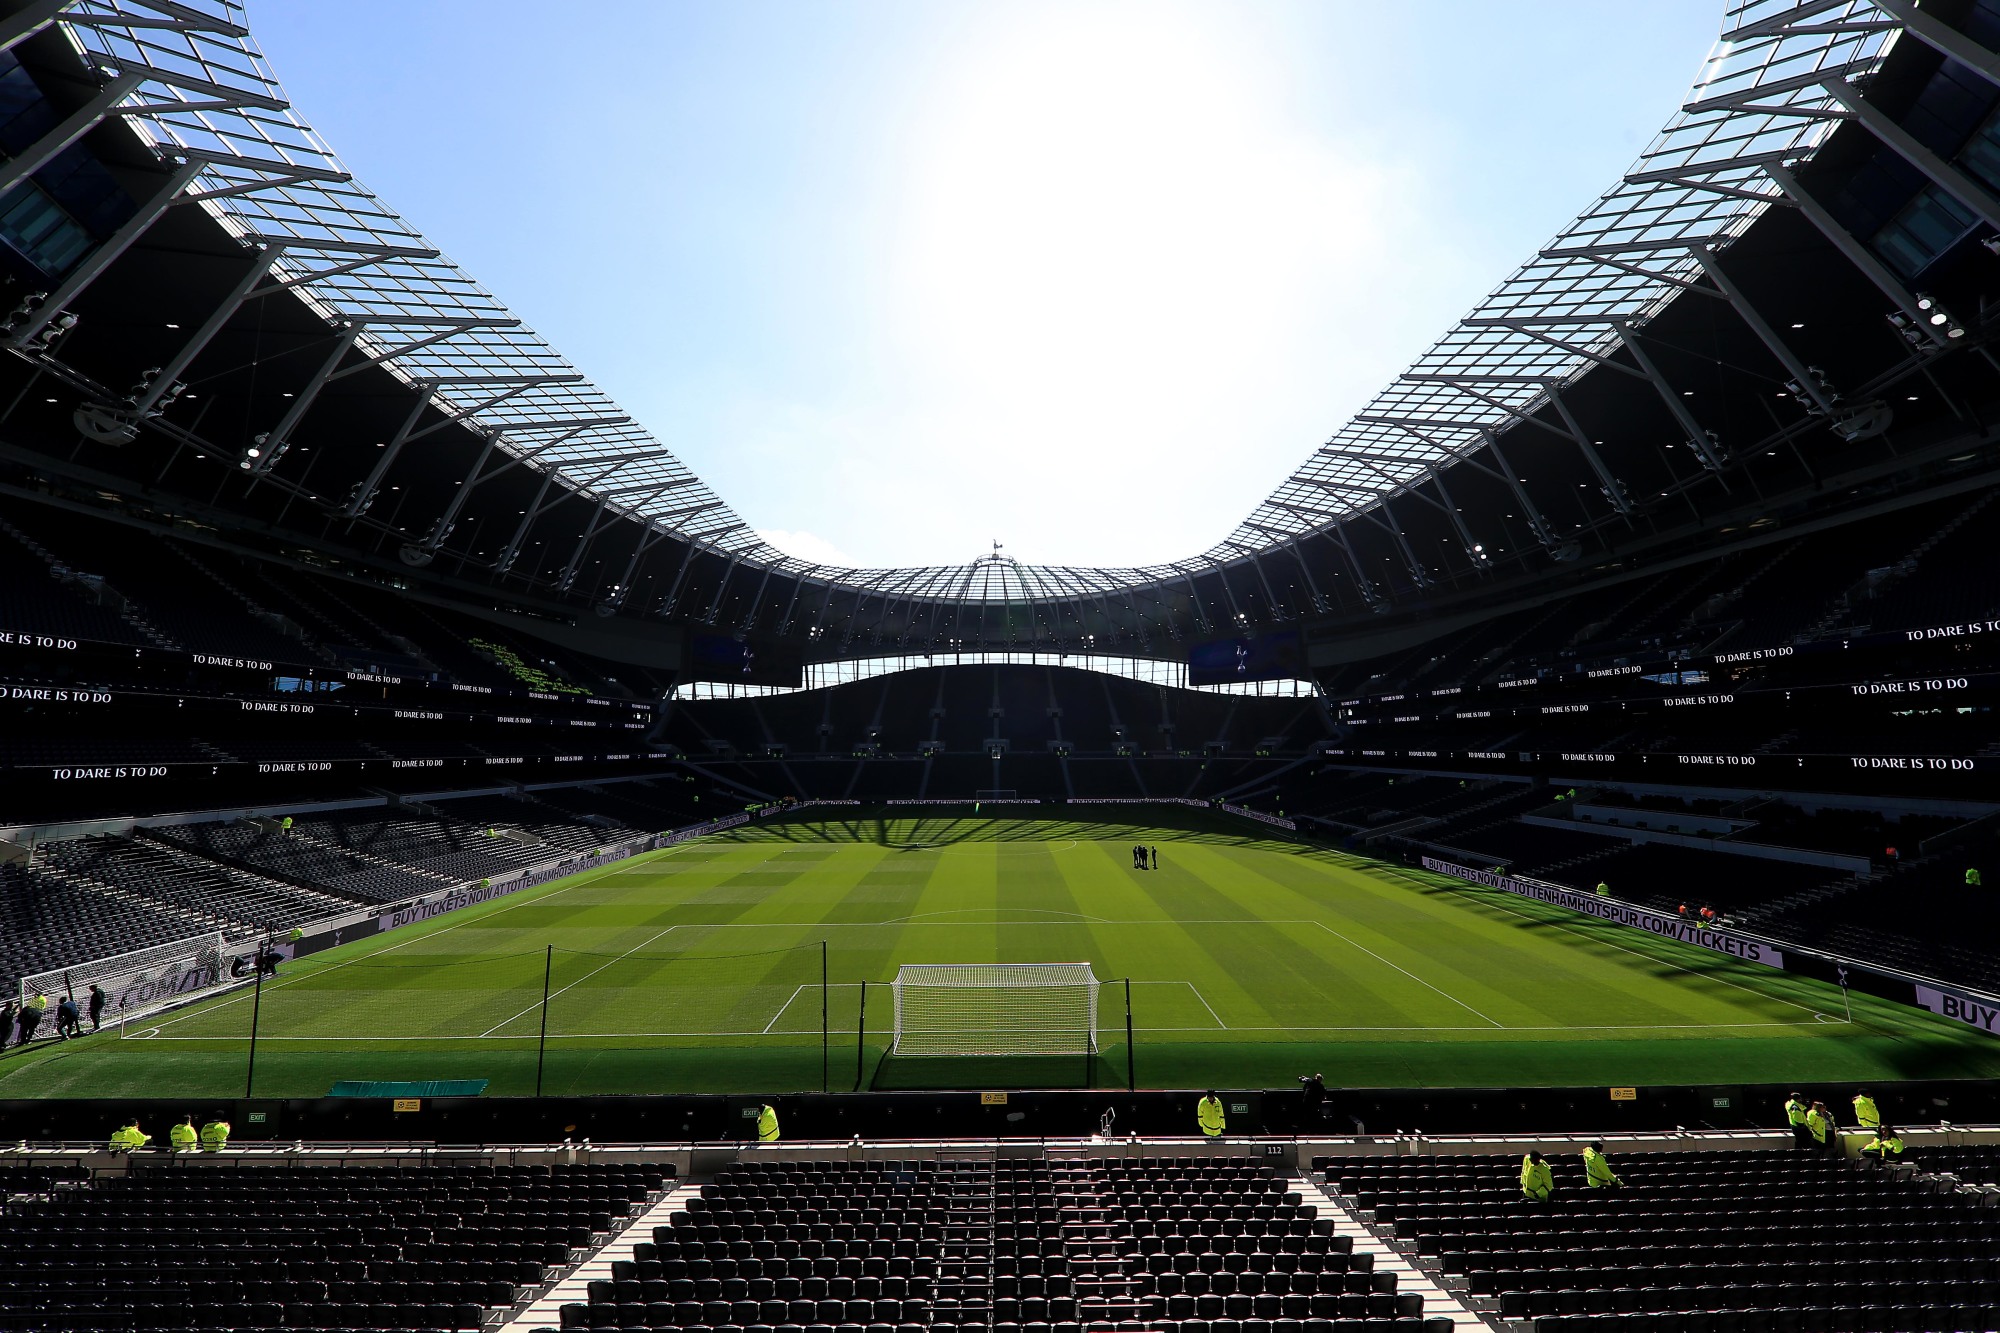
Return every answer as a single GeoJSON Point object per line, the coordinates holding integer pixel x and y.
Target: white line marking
{"type": "Point", "coordinates": [1040, 918]}
{"type": "Point", "coordinates": [1206, 1005]}
{"type": "Point", "coordinates": [1411, 975]}
{"type": "Point", "coordinates": [529, 896]}
{"type": "Point", "coordinates": [1288, 1027]}
{"type": "Point", "coordinates": [781, 1011]}
{"type": "Point", "coordinates": [1203, 1002]}
{"type": "Point", "coordinates": [542, 1003]}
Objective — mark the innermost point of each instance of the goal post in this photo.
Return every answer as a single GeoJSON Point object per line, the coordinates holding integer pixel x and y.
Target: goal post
{"type": "Point", "coordinates": [144, 981]}
{"type": "Point", "coordinates": [994, 1009]}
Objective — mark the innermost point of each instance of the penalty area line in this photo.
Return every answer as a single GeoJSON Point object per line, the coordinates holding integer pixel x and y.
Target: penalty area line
{"type": "Point", "coordinates": [781, 1011]}
{"type": "Point", "coordinates": [1411, 975]}
{"type": "Point", "coordinates": [306, 970]}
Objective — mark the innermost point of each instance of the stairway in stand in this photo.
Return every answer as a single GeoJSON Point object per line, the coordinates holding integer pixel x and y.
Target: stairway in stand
{"type": "Point", "coordinates": [964, 1288]}
{"type": "Point", "coordinates": [1096, 1242]}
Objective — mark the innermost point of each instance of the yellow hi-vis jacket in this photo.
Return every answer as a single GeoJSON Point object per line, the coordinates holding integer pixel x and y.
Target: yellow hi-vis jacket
{"type": "Point", "coordinates": [1209, 1112]}
{"type": "Point", "coordinates": [1865, 1114]}
{"type": "Point", "coordinates": [1889, 1147]}
{"type": "Point", "coordinates": [215, 1136]}
{"type": "Point", "coordinates": [1795, 1112]}
{"type": "Point", "coordinates": [767, 1125]}
{"type": "Point", "coordinates": [127, 1139]}
{"type": "Point", "coordinates": [1537, 1181]}
{"type": "Point", "coordinates": [182, 1137]}
{"type": "Point", "coordinates": [1597, 1172]}
{"type": "Point", "coordinates": [1818, 1124]}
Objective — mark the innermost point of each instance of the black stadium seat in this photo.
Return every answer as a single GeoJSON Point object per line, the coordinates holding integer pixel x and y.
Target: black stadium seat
{"type": "Point", "coordinates": [307, 1248]}
{"type": "Point", "coordinates": [1216, 1246]}
{"type": "Point", "coordinates": [1699, 1241]}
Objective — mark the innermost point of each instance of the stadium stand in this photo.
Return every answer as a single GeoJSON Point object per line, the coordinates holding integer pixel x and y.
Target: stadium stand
{"type": "Point", "coordinates": [319, 1247]}
{"type": "Point", "coordinates": [49, 919]}
{"type": "Point", "coordinates": [1694, 1241]}
{"type": "Point", "coordinates": [305, 860]}
{"type": "Point", "coordinates": [1156, 1243]}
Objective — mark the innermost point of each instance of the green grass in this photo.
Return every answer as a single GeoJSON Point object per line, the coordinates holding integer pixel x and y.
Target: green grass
{"type": "Point", "coordinates": [1252, 960]}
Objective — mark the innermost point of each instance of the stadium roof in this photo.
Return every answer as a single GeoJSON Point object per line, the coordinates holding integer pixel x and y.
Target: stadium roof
{"type": "Point", "coordinates": [188, 77]}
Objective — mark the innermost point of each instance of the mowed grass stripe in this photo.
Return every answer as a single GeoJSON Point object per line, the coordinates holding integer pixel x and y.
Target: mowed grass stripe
{"type": "Point", "coordinates": [1315, 958]}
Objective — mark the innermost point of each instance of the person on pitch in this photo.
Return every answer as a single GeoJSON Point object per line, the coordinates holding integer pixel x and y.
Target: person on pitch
{"type": "Point", "coordinates": [31, 1017]}
{"type": "Point", "coordinates": [69, 1020]}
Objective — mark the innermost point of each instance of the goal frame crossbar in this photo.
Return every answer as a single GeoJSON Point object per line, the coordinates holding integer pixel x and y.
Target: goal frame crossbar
{"type": "Point", "coordinates": [994, 1009]}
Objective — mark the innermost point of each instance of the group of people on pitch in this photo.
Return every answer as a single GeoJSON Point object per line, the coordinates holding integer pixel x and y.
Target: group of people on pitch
{"type": "Point", "coordinates": [20, 1025]}
{"type": "Point", "coordinates": [1139, 857]}
{"type": "Point", "coordinates": [1814, 1127]}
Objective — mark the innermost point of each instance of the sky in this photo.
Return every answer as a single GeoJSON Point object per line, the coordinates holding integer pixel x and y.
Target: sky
{"type": "Point", "coordinates": [903, 278]}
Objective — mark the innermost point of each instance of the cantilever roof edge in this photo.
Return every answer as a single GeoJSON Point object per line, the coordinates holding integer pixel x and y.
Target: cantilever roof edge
{"type": "Point", "coordinates": [203, 92]}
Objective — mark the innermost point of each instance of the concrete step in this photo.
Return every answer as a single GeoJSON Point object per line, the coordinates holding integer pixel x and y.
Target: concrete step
{"type": "Point", "coordinates": [546, 1310]}
{"type": "Point", "coordinates": [1438, 1302]}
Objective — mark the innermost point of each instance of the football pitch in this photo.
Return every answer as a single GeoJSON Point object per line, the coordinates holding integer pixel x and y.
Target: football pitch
{"type": "Point", "coordinates": [737, 963]}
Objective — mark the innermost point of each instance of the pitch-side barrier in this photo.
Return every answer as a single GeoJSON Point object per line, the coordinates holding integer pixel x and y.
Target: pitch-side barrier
{"type": "Point", "coordinates": [154, 980]}
{"type": "Point", "coordinates": [1961, 1004]}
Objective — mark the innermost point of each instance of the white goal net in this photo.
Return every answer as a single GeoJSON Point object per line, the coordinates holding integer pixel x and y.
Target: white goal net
{"type": "Point", "coordinates": [995, 1009]}
{"type": "Point", "coordinates": [146, 980]}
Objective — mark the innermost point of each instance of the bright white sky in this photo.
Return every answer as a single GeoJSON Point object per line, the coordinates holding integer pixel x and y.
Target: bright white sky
{"type": "Point", "coordinates": [902, 277]}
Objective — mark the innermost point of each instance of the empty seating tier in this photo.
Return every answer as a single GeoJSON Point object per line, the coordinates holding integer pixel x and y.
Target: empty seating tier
{"type": "Point", "coordinates": [1183, 1245]}
{"type": "Point", "coordinates": [1695, 1242]}
{"type": "Point", "coordinates": [310, 1248]}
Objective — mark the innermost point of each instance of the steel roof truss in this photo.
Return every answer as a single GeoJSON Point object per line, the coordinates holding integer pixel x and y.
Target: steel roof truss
{"type": "Point", "coordinates": [272, 447]}
{"type": "Point", "coordinates": [1740, 101]}
{"type": "Point", "coordinates": [504, 561]}
{"type": "Point", "coordinates": [1801, 375]}
{"type": "Point", "coordinates": [1857, 254]}
{"type": "Point", "coordinates": [168, 374]}
{"type": "Point", "coordinates": [1943, 173]}
{"type": "Point", "coordinates": [73, 127]}
{"type": "Point", "coordinates": [1543, 533]}
{"type": "Point", "coordinates": [453, 329]}
{"type": "Point", "coordinates": [1699, 438]}
{"type": "Point", "coordinates": [449, 518]}
{"type": "Point", "coordinates": [1526, 330]}
{"type": "Point", "coordinates": [30, 19]}
{"type": "Point", "coordinates": [652, 536]}
{"type": "Point", "coordinates": [1613, 489]}
{"type": "Point", "coordinates": [364, 494]}
{"type": "Point", "coordinates": [1777, 23]}
{"type": "Point", "coordinates": [94, 263]}
{"type": "Point", "coordinates": [1941, 36]}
